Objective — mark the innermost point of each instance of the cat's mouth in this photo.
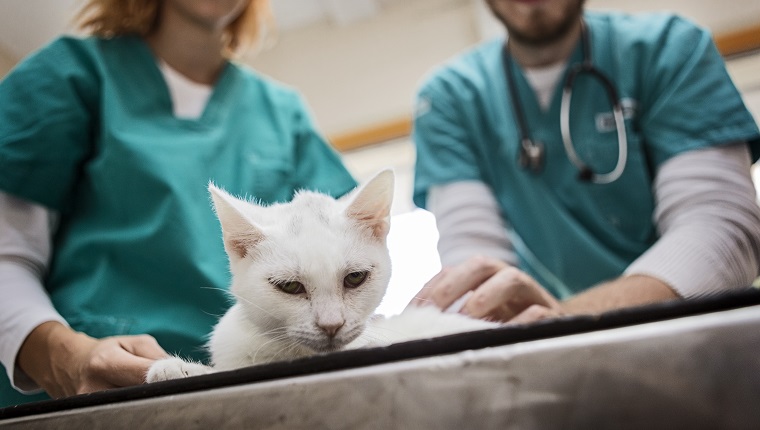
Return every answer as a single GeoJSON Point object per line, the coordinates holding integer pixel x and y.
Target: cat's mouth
{"type": "Point", "coordinates": [325, 344]}
{"type": "Point", "coordinates": [332, 346]}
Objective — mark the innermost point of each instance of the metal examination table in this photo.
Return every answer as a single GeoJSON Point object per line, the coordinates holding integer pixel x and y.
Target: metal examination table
{"type": "Point", "coordinates": [682, 365]}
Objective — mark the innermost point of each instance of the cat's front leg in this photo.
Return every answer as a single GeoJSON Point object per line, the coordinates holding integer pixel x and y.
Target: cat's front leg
{"type": "Point", "coordinates": [175, 368]}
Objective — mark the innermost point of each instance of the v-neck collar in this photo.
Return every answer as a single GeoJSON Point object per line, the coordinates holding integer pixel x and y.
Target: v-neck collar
{"type": "Point", "coordinates": [221, 92]}
{"type": "Point", "coordinates": [544, 81]}
{"type": "Point", "coordinates": [527, 98]}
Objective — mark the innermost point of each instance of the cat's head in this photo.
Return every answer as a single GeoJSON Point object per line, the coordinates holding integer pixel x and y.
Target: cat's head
{"type": "Point", "coordinates": [313, 269]}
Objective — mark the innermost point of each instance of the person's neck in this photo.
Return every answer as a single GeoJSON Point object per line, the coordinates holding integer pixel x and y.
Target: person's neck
{"type": "Point", "coordinates": [532, 55]}
{"type": "Point", "coordinates": [192, 50]}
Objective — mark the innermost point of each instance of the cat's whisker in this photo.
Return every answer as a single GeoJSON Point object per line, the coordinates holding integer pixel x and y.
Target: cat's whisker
{"type": "Point", "coordinates": [275, 330]}
{"type": "Point", "coordinates": [224, 290]}
{"type": "Point", "coordinates": [274, 337]}
{"type": "Point", "coordinates": [217, 316]}
{"type": "Point", "coordinates": [376, 334]}
{"type": "Point", "coordinates": [277, 338]}
{"type": "Point", "coordinates": [243, 299]}
{"type": "Point", "coordinates": [229, 293]}
{"type": "Point", "coordinates": [285, 351]}
{"type": "Point", "coordinates": [387, 329]}
{"type": "Point", "coordinates": [369, 337]}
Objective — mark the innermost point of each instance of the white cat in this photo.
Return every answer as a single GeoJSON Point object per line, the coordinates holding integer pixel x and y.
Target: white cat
{"type": "Point", "coordinates": [307, 276]}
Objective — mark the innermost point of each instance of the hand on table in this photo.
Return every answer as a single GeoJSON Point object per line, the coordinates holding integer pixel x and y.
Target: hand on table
{"type": "Point", "coordinates": [64, 362]}
{"type": "Point", "coordinates": [500, 292]}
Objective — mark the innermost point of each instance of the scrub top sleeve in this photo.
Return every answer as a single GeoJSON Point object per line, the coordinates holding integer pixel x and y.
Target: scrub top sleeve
{"type": "Point", "coordinates": [443, 142]}
{"type": "Point", "coordinates": [45, 124]}
{"type": "Point", "coordinates": [318, 166]}
{"type": "Point", "coordinates": [690, 101]}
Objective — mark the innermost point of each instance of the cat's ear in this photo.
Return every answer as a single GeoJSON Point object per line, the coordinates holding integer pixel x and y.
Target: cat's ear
{"type": "Point", "coordinates": [370, 205]}
{"type": "Point", "coordinates": [240, 234]}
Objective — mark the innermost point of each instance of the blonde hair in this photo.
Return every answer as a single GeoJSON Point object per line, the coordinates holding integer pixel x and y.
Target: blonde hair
{"type": "Point", "coordinates": [109, 18]}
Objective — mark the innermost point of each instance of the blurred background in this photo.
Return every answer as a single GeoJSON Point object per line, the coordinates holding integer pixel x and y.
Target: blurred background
{"type": "Point", "coordinates": [359, 62]}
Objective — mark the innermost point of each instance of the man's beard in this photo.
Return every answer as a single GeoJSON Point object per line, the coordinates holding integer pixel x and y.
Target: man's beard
{"type": "Point", "coordinates": [543, 34]}
{"type": "Point", "coordinates": [541, 31]}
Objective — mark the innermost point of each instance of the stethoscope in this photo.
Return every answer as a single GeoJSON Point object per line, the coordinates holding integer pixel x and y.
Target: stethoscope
{"type": "Point", "coordinates": [532, 152]}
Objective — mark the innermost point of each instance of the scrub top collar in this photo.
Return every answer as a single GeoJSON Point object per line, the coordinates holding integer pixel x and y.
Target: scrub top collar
{"type": "Point", "coordinates": [222, 92]}
{"type": "Point", "coordinates": [527, 98]}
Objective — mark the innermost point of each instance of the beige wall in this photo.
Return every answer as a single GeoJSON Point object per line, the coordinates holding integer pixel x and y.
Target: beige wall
{"type": "Point", "coordinates": [366, 73]}
{"type": "Point", "coordinates": [719, 16]}
{"type": "Point", "coordinates": [7, 61]}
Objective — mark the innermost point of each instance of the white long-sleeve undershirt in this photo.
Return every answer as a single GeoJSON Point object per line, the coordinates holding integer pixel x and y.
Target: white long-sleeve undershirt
{"type": "Point", "coordinates": [706, 214]}
{"type": "Point", "coordinates": [25, 237]}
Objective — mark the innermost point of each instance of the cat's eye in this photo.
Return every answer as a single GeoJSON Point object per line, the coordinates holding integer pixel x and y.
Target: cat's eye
{"type": "Point", "coordinates": [354, 279]}
{"type": "Point", "coordinates": [290, 287]}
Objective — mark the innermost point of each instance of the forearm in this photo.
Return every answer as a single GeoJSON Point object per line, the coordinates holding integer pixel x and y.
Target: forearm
{"type": "Point", "coordinates": [26, 307]}
{"type": "Point", "coordinates": [623, 292]}
{"type": "Point", "coordinates": [25, 230]}
{"type": "Point", "coordinates": [47, 340]}
{"type": "Point", "coordinates": [710, 235]}
{"type": "Point", "coordinates": [709, 223]}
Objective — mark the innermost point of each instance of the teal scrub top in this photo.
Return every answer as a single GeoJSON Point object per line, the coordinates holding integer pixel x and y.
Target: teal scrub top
{"type": "Point", "coordinates": [570, 234]}
{"type": "Point", "coordinates": [87, 129]}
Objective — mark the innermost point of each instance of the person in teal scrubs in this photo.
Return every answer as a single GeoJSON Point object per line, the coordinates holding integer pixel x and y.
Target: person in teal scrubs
{"type": "Point", "coordinates": [599, 218]}
{"type": "Point", "coordinates": [107, 146]}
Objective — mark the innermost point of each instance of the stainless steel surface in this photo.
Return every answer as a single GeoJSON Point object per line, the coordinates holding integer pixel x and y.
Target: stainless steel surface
{"type": "Point", "coordinates": [694, 372]}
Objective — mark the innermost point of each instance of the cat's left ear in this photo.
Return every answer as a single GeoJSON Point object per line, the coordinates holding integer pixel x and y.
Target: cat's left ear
{"type": "Point", "coordinates": [370, 205]}
{"type": "Point", "coordinates": [240, 234]}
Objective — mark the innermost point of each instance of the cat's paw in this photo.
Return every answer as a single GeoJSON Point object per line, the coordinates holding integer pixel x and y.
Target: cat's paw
{"type": "Point", "coordinates": [174, 368]}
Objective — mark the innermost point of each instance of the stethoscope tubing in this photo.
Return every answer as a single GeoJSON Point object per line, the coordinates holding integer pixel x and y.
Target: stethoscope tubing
{"type": "Point", "coordinates": [532, 152]}
{"type": "Point", "coordinates": [586, 174]}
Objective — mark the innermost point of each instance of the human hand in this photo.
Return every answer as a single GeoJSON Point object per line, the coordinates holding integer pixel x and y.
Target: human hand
{"type": "Point", "coordinates": [64, 362]}
{"type": "Point", "coordinates": [500, 292]}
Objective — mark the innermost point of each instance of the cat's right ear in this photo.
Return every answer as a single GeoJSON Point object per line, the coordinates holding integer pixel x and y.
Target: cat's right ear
{"type": "Point", "coordinates": [240, 234]}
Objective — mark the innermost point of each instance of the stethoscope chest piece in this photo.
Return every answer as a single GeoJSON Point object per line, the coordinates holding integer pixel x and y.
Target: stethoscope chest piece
{"type": "Point", "coordinates": [531, 155]}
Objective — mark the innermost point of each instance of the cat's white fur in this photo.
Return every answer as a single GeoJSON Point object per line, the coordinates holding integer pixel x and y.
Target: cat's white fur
{"type": "Point", "coordinates": [316, 241]}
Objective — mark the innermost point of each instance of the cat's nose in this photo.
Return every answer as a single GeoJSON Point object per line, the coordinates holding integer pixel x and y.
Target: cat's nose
{"type": "Point", "coordinates": [331, 329]}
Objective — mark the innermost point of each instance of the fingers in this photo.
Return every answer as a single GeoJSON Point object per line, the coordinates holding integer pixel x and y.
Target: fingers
{"type": "Point", "coordinates": [121, 361]}
{"type": "Point", "coordinates": [423, 296]}
{"type": "Point", "coordinates": [496, 290]}
{"type": "Point", "coordinates": [452, 283]}
{"type": "Point", "coordinates": [126, 369]}
{"type": "Point", "coordinates": [144, 346]}
{"type": "Point", "coordinates": [534, 313]}
{"type": "Point", "coordinates": [501, 297]}
{"type": "Point", "coordinates": [506, 295]}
